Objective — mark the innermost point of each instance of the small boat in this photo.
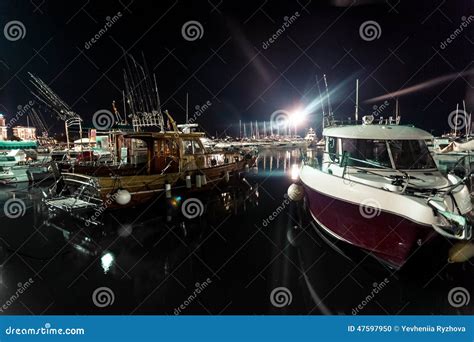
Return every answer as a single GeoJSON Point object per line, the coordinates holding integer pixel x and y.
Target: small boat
{"type": "Point", "coordinates": [379, 189]}
{"type": "Point", "coordinates": [311, 138]}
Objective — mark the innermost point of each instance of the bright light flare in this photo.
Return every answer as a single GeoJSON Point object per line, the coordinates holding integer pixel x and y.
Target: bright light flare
{"type": "Point", "coordinates": [295, 172]}
{"type": "Point", "coordinates": [106, 261]}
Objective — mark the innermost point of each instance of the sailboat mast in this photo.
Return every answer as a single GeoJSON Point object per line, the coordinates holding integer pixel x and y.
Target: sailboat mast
{"type": "Point", "coordinates": [357, 102]}
{"type": "Point", "coordinates": [187, 107]}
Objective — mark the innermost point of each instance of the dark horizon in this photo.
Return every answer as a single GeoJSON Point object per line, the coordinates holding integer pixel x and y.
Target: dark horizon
{"type": "Point", "coordinates": [235, 66]}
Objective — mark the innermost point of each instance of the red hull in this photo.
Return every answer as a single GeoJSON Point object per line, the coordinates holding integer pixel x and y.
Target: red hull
{"type": "Point", "coordinates": [388, 236]}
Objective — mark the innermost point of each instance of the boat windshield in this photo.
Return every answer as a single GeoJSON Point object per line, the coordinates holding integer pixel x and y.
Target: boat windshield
{"type": "Point", "coordinates": [370, 152]}
{"type": "Point", "coordinates": [411, 154]}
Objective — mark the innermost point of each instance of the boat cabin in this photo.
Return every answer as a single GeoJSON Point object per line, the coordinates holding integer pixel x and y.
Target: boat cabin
{"type": "Point", "coordinates": [391, 147]}
{"type": "Point", "coordinates": [165, 152]}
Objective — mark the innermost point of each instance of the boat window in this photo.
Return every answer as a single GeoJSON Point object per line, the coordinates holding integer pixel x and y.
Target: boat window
{"type": "Point", "coordinates": [332, 148]}
{"type": "Point", "coordinates": [411, 154]}
{"type": "Point", "coordinates": [374, 152]}
{"type": "Point", "coordinates": [197, 147]}
{"type": "Point", "coordinates": [188, 146]}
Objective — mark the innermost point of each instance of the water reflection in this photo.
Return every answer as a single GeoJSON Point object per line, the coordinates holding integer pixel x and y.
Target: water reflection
{"type": "Point", "coordinates": [152, 257]}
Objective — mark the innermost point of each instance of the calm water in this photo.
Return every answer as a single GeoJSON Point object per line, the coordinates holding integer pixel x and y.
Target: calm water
{"type": "Point", "coordinates": [154, 260]}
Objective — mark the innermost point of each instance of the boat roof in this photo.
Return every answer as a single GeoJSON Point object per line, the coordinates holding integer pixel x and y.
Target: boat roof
{"type": "Point", "coordinates": [382, 132]}
{"type": "Point", "coordinates": [17, 145]}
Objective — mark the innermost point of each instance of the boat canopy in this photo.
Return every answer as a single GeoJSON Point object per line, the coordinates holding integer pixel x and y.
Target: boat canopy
{"type": "Point", "coordinates": [381, 132]}
{"type": "Point", "coordinates": [18, 145]}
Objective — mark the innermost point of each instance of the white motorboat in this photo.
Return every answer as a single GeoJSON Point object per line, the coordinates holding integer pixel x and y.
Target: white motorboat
{"type": "Point", "coordinates": [378, 188]}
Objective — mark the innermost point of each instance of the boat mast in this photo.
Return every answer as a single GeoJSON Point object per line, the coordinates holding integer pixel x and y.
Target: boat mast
{"type": "Point", "coordinates": [330, 116]}
{"type": "Point", "coordinates": [396, 110]}
{"type": "Point", "coordinates": [187, 114]}
{"type": "Point", "coordinates": [468, 120]}
{"type": "Point", "coordinates": [357, 101]}
{"type": "Point", "coordinates": [321, 101]}
{"type": "Point", "coordinates": [456, 120]}
{"type": "Point", "coordinates": [240, 129]}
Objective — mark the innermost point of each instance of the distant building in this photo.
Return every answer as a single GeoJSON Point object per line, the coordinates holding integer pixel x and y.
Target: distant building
{"type": "Point", "coordinates": [25, 133]}
{"type": "Point", "coordinates": [3, 128]}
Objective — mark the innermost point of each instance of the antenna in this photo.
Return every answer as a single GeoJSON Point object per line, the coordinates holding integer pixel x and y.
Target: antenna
{"type": "Point", "coordinates": [456, 120]}
{"type": "Point", "coordinates": [187, 113]}
{"type": "Point", "coordinates": [467, 118]}
{"type": "Point", "coordinates": [321, 101]}
{"type": "Point", "coordinates": [240, 129]}
{"type": "Point", "coordinates": [357, 101]}
{"type": "Point", "coordinates": [327, 94]}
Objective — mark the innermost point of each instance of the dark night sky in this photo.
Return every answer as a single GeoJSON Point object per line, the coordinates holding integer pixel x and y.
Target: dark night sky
{"type": "Point", "coordinates": [228, 65]}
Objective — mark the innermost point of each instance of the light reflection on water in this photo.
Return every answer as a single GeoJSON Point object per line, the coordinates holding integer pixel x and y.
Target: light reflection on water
{"type": "Point", "coordinates": [151, 258]}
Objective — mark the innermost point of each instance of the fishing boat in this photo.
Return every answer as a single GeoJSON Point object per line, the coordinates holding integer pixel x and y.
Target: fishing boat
{"type": "Point", "coordinates": [148, 163]}
{"type": "Point", "coordinates": [379, 189]}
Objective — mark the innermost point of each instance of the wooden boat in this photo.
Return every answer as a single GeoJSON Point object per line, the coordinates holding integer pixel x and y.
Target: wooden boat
{"type": "Point", "coordinates": [145, 163]}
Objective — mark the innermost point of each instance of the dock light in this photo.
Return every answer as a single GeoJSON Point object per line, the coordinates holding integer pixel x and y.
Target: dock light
{"type": "Point", "coordinates": [297, 117]}
{"type": "Point", "coordinates": [106, 261]}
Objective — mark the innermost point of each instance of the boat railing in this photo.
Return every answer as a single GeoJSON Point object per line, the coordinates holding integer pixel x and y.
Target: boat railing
{"type": "Point", "coordinates": [401, 178]}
